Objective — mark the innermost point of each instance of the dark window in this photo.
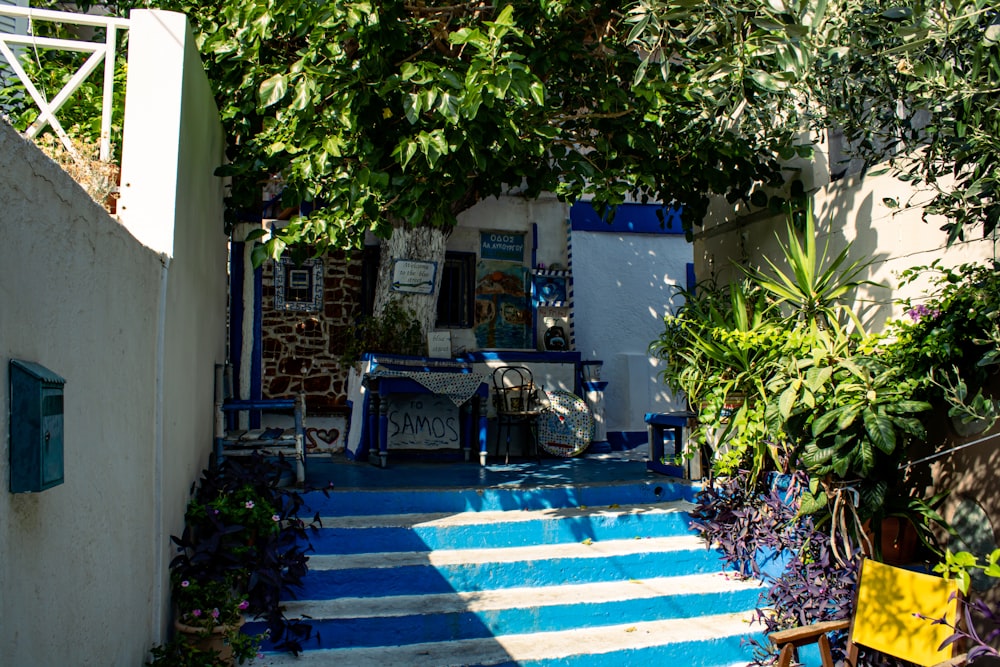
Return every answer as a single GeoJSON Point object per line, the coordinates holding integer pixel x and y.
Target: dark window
{"type": "Point", "coordinates": [455, 302]}
{"type": "Point", "coordinates": [456, 299]}
{"type": "Point", "coordinates": [369, 278]}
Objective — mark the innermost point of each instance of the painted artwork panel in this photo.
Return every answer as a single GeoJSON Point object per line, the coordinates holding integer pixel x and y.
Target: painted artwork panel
{"type": "Point", "coordinates": [503, 315]}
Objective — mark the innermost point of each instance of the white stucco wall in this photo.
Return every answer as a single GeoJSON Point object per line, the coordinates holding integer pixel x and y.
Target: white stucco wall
{"type": "Point", "coordinates": [853, 210]}
{"type": "Point", "coordinates": [624, 285]}
{"type": "Point", "coordinates": [135, 331]}
{"type": "Point", "coordinates": [79, 296]}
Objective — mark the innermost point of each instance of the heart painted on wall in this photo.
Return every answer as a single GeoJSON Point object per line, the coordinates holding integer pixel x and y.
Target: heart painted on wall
{"type": "Point", "coordinates": [325, 437]}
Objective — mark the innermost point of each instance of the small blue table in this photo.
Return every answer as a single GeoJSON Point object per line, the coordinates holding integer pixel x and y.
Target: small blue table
{"type": "Point", "coordinates": [383, 385]}
{"type": "Point", "coordinates": [660, 423]}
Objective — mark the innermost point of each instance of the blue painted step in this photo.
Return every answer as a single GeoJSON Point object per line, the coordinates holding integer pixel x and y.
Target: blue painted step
{"type": "Point", "coordinates": [427, 579]}
{"type": "Point", "coordinates": [541, 577]}
{"type": "Point", "coordinates": [551, 529]}
{"type": "Point", "coordinates": [431, 627]}
{"type": "Point", "coordinates": [422, 501]}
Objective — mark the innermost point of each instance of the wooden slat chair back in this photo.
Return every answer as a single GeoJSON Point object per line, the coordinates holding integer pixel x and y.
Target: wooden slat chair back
{"type": "Point", "coordinates": [891, 613]}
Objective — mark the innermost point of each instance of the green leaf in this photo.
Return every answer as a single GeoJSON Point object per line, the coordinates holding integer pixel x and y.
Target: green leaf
{"type": "Point", "coordinates": [880, 430]}
{"type": "Point", "coordinates": [991, 36]}
{"type": "Point", "coordinates": [768, 82]}
{"type": "Point", "coordinates": [823, 422]}
{"type": "Point", "coordinates": [897, 13]}
{"type": "Point", "coordinates": [847, 417]}
{"type": "Point", "coordinates": [816, 377]}
{"type": "Point", "coordinates": [811, 504]}
{"type": "Point", "coordinates": [537, 92]}
{"type": "Point", "coordinates": [411, 107]}
{"type": "Point", "coordinates": [840, 465]}
{"type": "Point", "coordinates": [787, 401]}
{"type": "Point", "coordinates": [272, 90]}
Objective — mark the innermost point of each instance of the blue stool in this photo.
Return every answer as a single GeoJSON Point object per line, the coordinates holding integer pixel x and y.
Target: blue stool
{"type": "Point", "coordinates": [663, 426]}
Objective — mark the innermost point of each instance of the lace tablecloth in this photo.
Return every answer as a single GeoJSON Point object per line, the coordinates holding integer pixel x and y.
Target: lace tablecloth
{"type": "Point", "coordinates": [458, 387]}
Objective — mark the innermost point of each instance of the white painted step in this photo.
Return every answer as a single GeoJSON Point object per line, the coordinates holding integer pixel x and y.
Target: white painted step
{"type": "Point", "coordinates": [444, 557]}
{"type": "Point", "coordinates": [527, 597]}
{"type": "Point", "coordinates": [524, 647]}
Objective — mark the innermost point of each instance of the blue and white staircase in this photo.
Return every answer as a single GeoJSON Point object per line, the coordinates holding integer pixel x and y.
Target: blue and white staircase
{"type": "Point", "coordinates": [564, 575]}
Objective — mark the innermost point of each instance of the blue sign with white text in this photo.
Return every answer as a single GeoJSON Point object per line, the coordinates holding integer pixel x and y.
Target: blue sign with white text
{"type": "Point", "coordinates": [504, 246]}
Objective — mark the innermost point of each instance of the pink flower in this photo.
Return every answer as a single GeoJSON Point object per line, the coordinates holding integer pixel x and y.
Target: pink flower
{"type": "Point", "coordinates": [275, 517]}
{"type": "Point", "coordinates": [196, 613]}
{"type": "Point", "coordinates": [215, 613]}
{"type": "Point", "coordinates": [249, 504]}
{"type": "Point", "coordinates": [185, 583]}
{"type": "Point", "coordinates": [243, 605]}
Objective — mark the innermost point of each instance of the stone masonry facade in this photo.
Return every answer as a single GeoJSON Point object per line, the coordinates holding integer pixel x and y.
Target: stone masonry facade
{"type": "Point", "coordinates": [302, 350]}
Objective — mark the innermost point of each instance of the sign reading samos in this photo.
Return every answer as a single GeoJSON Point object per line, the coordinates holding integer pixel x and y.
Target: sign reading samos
{"type": "Point", "coordinates": [424, 421]}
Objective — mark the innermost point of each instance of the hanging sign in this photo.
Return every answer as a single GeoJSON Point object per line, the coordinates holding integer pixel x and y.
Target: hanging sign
{"type": "Point", "coordinates": [413, 277]}
{"type": "Point", "coordinates": [504, 246]}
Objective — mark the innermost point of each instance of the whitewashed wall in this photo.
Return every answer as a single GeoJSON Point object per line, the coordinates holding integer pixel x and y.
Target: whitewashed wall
{"type": "Point", "coordinates": [625, 284]}
{"type": "Point", "coordinates": [854, 210]}
{"type": "Point", "coordinates": [135, 330]}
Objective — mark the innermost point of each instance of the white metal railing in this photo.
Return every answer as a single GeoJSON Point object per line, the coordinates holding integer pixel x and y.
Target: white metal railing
{"type": "Point", "coordinates": [99, 53]}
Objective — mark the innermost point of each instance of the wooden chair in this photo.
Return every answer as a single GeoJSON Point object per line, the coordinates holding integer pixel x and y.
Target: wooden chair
{"type": "Point", "coordinates": [516, 399]}
{"type": "Point", "coordinates": [887, 601]}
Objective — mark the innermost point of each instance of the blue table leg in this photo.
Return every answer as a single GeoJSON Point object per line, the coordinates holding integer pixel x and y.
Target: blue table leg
{"type": "Point", "coordinates": [481, 410]}
{"type": "Point", "coordinates": [383, 430]}
{"type": "Point", "coordinates": [465, 413]}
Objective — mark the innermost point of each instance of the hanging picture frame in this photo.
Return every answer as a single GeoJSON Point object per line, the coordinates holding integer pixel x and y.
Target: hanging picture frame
{"type": "Point", "coordinates": [298, 287]}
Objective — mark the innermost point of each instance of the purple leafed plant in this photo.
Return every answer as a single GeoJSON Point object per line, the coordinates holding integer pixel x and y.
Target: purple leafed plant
{"type": "Point", "coordinates": [977, 644]}
{"type": "Point", "coordinates": [742, 521]}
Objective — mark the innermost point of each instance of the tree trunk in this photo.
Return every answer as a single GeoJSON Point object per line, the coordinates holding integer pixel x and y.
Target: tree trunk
{"type": "Point", "coordinates": [425, 244]}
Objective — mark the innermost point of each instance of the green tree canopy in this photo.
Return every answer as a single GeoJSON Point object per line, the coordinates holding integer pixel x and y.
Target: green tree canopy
{"type": "Point", "coordinates": [913, 84]}
{"type": "Point", "coordinates": [382, 113]}
{"type": "Point", "coordinates": [408, 112]}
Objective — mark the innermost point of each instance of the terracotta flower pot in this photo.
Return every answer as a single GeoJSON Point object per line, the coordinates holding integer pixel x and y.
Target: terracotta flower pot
{"type": "Point", "coordinates": [899, 540]}
{"type": "Point", "coordinates": [216, 640]}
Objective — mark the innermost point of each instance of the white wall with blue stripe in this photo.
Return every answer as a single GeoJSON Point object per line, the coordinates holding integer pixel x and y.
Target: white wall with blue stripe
{"type": "Point", "coordinates": [626, 274]}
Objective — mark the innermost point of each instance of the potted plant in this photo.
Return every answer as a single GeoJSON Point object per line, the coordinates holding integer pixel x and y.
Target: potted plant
{"type": "Point", "coordinates": [242, 548]}
{"type": "Point", "coordinates": [210, 617]}
{"type": "Point", "coordinates": [718, 348]}
{"type": "Point", "coordinates": [396, 331]}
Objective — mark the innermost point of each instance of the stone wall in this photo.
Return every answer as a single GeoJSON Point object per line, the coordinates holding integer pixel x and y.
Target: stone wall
{"type": "Point", "coordinates": [303, 349]}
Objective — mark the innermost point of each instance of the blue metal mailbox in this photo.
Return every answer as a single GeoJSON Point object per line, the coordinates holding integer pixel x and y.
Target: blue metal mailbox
{"type": "Point", "coordinates": [36, 427]}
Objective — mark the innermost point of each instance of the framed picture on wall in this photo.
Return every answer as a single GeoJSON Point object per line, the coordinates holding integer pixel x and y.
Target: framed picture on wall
{"type": "Point", "coordinates": [298, 287]}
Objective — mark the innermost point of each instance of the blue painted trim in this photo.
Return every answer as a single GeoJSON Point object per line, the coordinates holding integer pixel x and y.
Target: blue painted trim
{"type": "Point", "coordinates": [521, 355]}
{"type": "Point", "coordinates": [628, 219]}
{"type": "Point", "coordinates": [624, 440]}
{"type": "Point", "coordinates": [257, 350]}
{"type": "Point", "coordinates": [692, 280]}
{"type": "Point", "coordinates": [416, 364]}
{"type": "Point", "coordinates": [236, 270]}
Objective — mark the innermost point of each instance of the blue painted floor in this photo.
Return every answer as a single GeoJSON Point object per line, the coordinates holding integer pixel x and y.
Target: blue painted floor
{"type": "Point", "coordinates": [343, 474]}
